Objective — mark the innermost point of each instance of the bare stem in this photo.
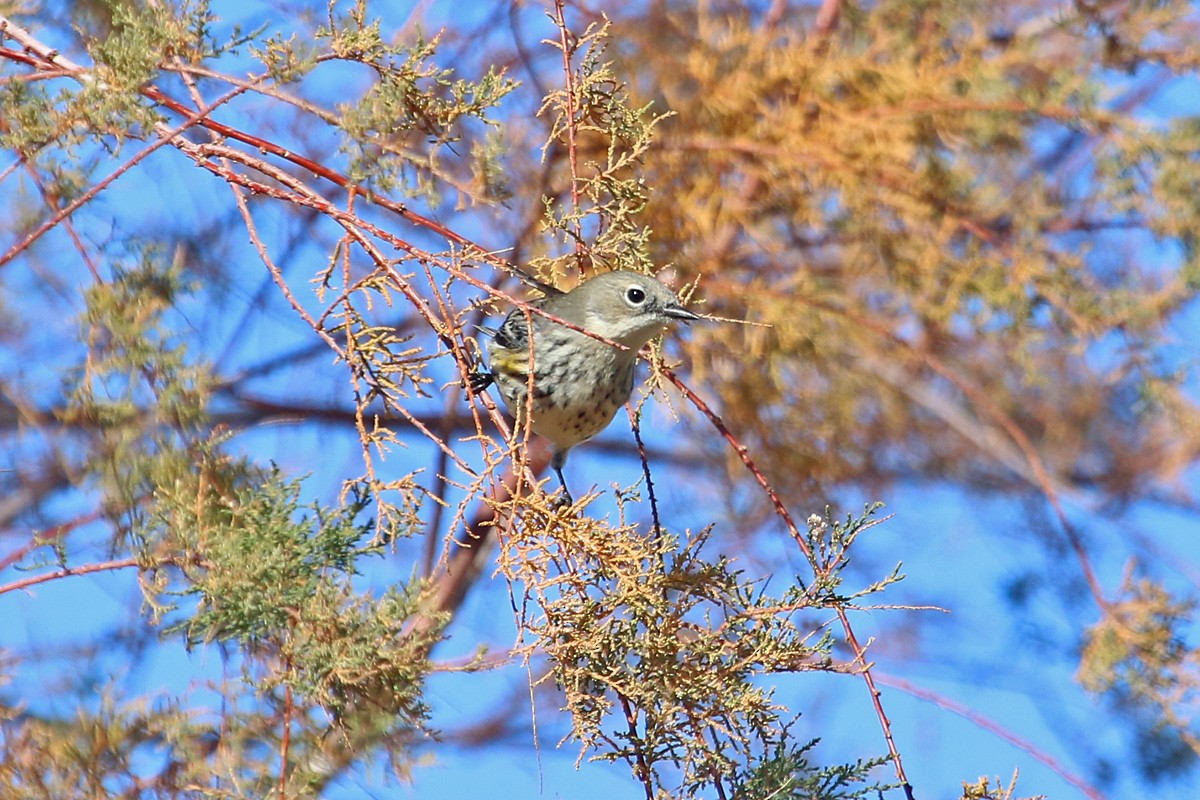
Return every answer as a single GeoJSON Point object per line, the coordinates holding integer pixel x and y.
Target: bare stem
{"type": "Point", "coordinates": [568, 50]}
{"type": "Point", "coordinates": [66, 572]}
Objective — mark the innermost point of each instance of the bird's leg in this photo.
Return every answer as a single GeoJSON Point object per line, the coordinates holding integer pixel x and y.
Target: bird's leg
{"type": "Point", "coordinates": [556, 463]}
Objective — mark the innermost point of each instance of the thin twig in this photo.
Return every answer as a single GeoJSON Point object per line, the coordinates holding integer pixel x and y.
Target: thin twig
{"type": "Point", "coordinates": [43, 57]}
{"type": "Point", "coordinates": [66, 572]}
{"type": "Point", "coordinates": [989, 408]}
{"type": "Point", "coordinates": [643, 768]}
{"type": "Point", "coordinates": [635, 422]}
{"type": "Point", "coordinates": [441, 461]}
{"type": "Point", "coordinates": [743, 453]}
{"type": "Point", "coordinates": [568, 50]}
{"type": "Point", "coordinates": [286, 736]}
{"type": "Point", "coordinates": [941, 701]}
{"type": "Point", "coordinates": [52, 202]}
{"type": "Point", "coordinates": [860, 658]}
{"type": "Point", "coordinates": [49, 536]}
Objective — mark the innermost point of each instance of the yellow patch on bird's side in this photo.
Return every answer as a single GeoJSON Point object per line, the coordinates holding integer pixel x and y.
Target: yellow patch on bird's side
{"type": "Point", "coordinates": [511, 362]}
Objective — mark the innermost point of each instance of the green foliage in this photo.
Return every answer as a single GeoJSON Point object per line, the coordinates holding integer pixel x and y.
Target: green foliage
{"type": "Point", "coordinates": [272, 580]}
{"type": "Point", "coordinates": [137, 398]}
{"type": "Point", "coordinates": [276, 581]}
{"type": "Point", "coordinates": [1138, 652]}
{"type": "Point", "coordinates": [787, 774]}
{"type": "Point", "coordinates": [413, 97]}
{"type": "Point", "coordinates": [30, 115]}
{"type": "Point", "coordinates": [130, 54]}
{"type": "Point", "coordinates": [829, 548]}
{"type": "Point", "coordinates": [1137, 643]}
{"type": "Point", "coordinates": [286, 60]}
{"type": "Point", "coordinates": [264, 561]}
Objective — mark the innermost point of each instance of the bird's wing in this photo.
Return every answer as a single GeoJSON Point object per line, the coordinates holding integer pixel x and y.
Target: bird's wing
{"type": "Point", "coordinates": [513, 333]}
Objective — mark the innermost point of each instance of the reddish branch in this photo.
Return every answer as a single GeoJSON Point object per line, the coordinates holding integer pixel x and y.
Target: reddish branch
{"type": "Point", "coordinates": [48, 536]}
{"type": "Point", "coordinates": [781, 510]}
{"type": "Point", "coordinates": [66, 572]}
{"type": "Point", "coordinates": [986, 406]}
{"type": "Point", "coordinates": [286, 736]}
{"type": "Point", "coordinates": [43, 58]}
{"type": "Point", "coordinates": [450, 586]}
{"type": "Point", "coordinates": [826, 20]}
{"type": "Point", "coordinates": [983, 722]}
{"type": "Point", "coordinates": [860, 660]}
{"type": "Point", "coordinates": [641, 768]}
{"type": "Point", "coordinates": [743, 453]}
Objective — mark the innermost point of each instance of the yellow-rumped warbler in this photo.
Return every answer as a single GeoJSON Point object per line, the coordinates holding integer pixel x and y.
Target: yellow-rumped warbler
{"type": "Point", "coordinates": [579, 382]}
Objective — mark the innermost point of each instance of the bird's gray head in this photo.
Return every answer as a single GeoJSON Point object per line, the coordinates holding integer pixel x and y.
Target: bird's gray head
{"type": "Point", "coordinates": [624, 306]}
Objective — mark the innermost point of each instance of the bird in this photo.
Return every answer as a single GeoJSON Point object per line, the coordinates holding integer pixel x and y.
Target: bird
{"type": "Point", "coordinates": [579, 382]}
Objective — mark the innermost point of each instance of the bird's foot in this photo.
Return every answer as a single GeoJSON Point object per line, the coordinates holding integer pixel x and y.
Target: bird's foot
{"type": "Point", "coordinates": [562, 499]}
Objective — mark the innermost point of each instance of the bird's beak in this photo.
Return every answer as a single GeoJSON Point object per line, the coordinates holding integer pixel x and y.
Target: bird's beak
{"type": "Point", "coordinates": [676, 311]}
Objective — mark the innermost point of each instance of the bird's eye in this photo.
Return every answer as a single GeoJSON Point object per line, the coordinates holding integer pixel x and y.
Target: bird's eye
{"type": "Point", "coordinates": [635, 295]}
